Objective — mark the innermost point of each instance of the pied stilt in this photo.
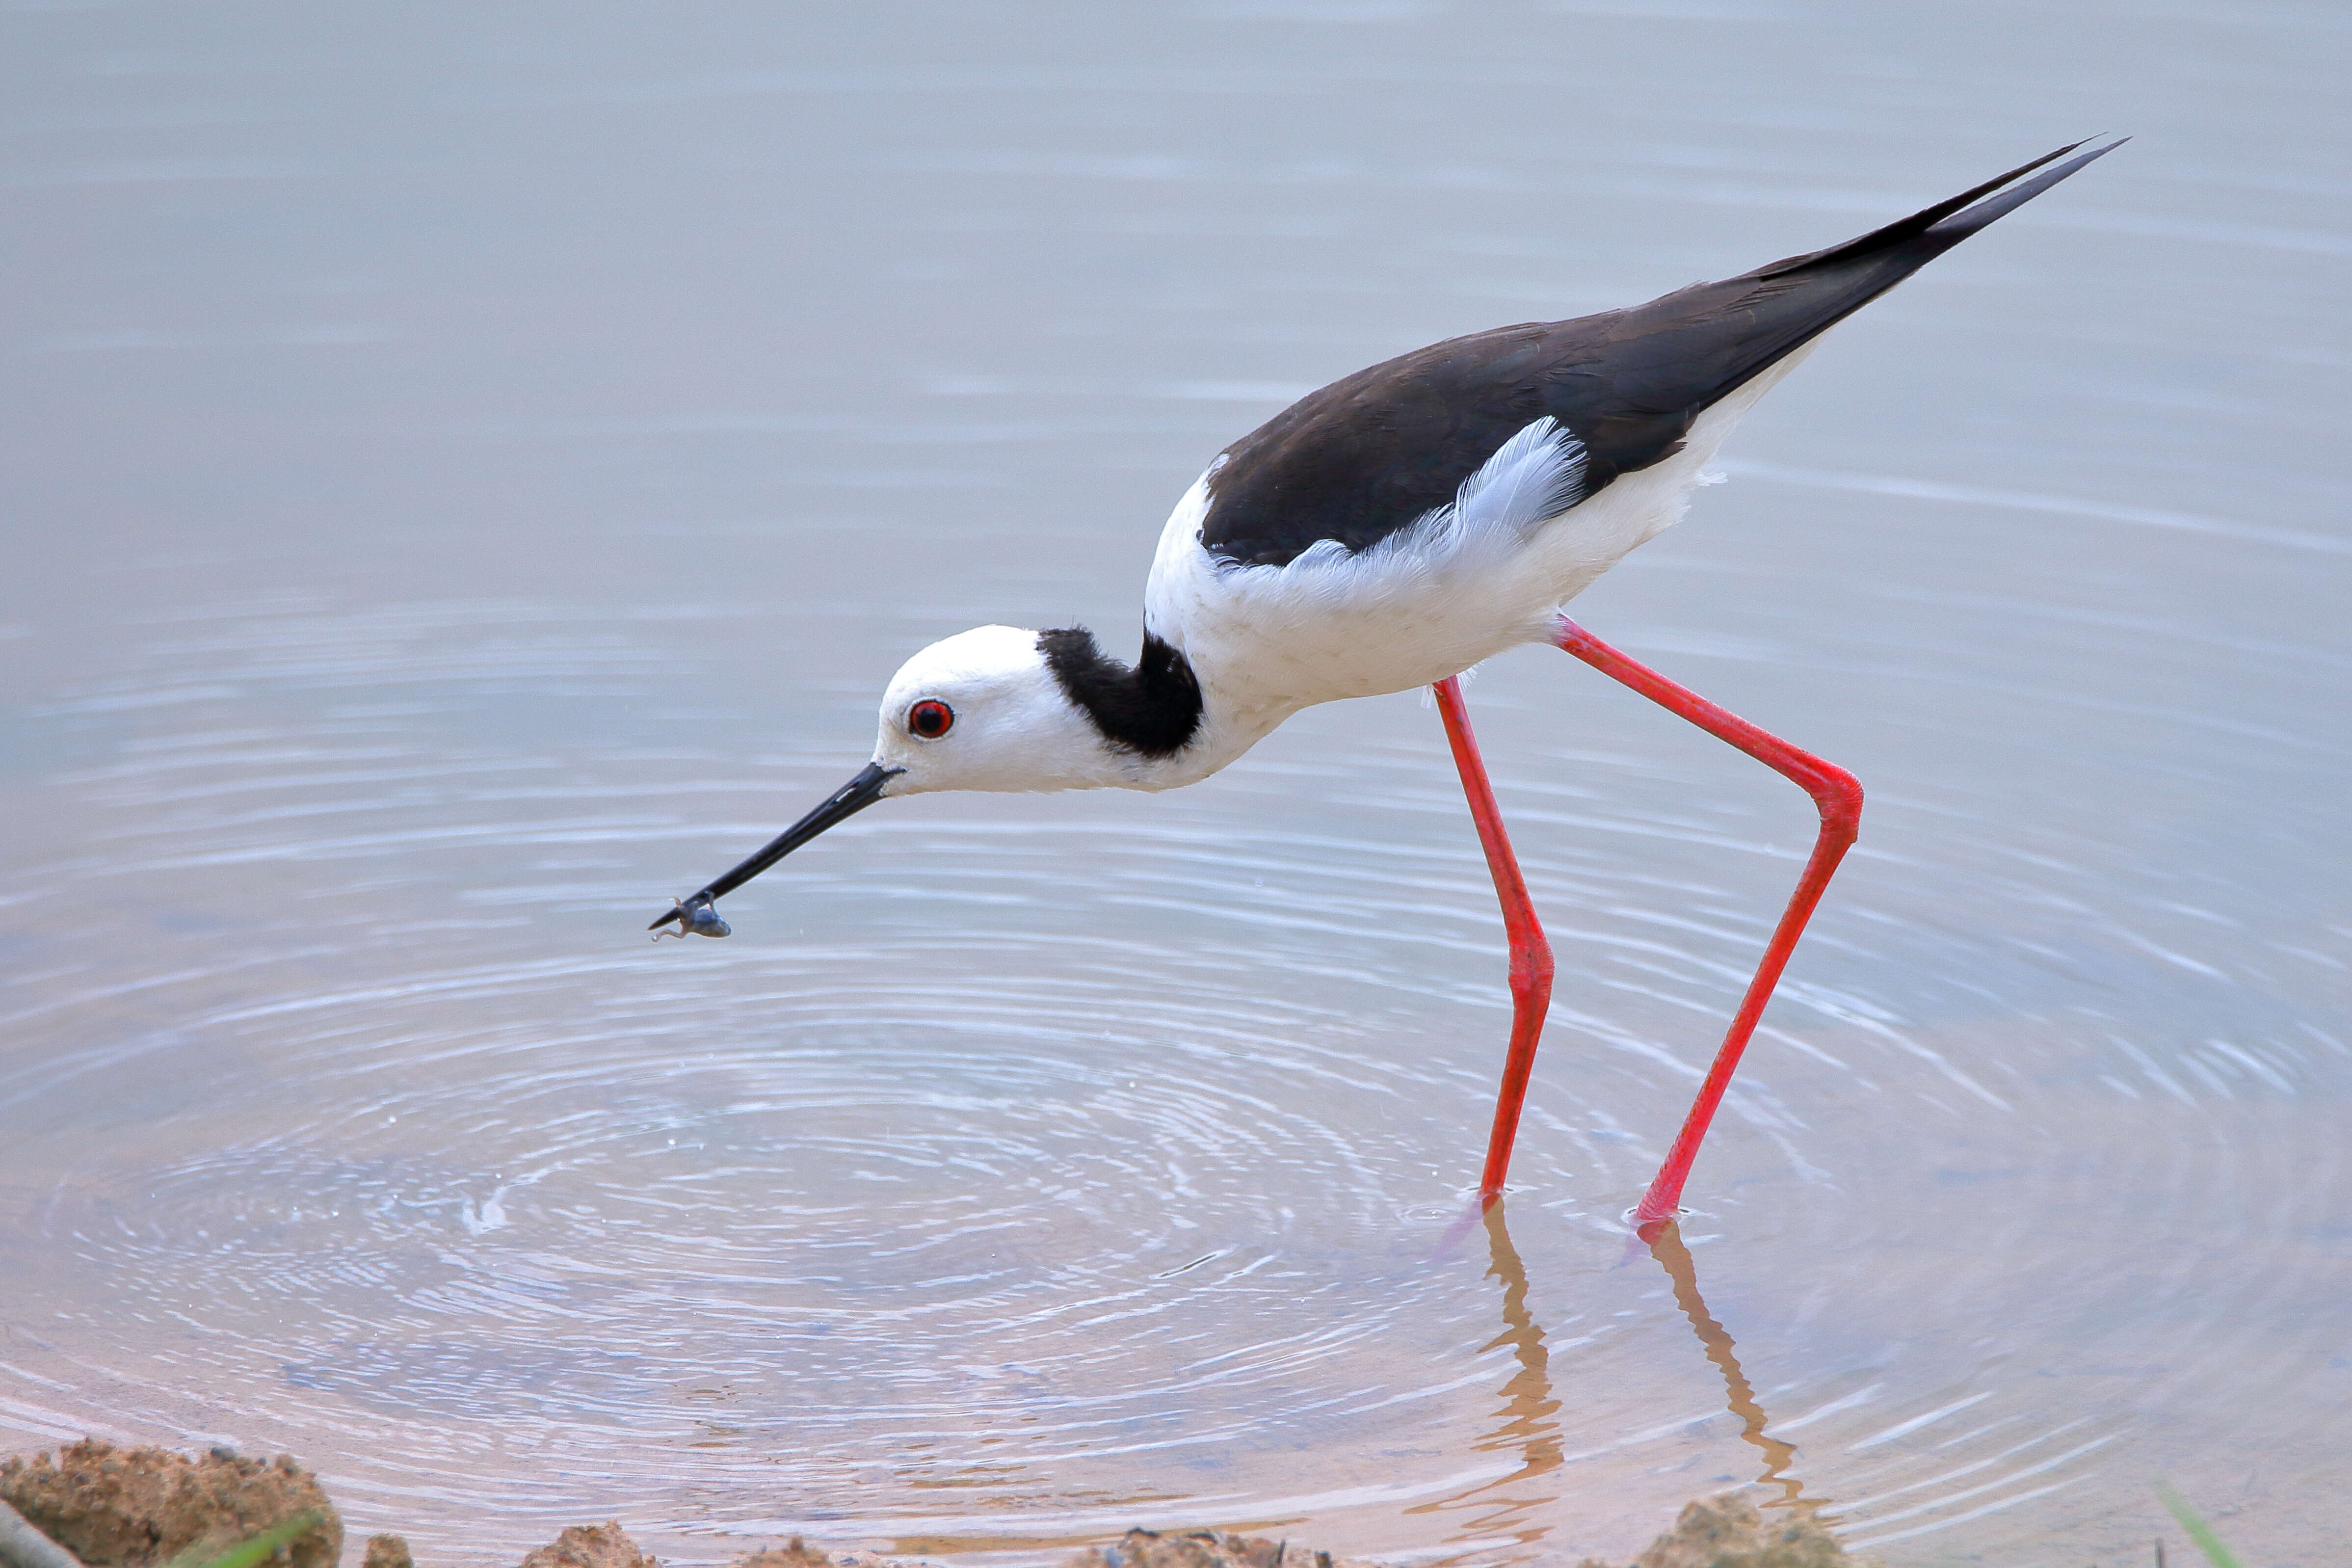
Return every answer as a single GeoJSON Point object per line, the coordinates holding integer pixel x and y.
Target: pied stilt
{"type": "Point", "coordinates": [1392, 530]}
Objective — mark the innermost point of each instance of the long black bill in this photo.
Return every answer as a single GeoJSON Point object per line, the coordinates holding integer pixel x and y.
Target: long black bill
{"type": "Point", "coordinates": [697, 916]}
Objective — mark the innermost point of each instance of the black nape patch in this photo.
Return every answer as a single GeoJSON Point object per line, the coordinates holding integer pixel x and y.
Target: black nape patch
{"type": "Point", "coordinates": [1152, 709]}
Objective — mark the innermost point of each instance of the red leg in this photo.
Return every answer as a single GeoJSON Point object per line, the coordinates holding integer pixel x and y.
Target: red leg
{"type": "Point", "coordinates": [1835, 791]}
{"type": "Point", "coordinates": [1530, 953]}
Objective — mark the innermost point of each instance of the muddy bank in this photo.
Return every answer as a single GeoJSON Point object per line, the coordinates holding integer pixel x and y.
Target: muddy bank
{"type": "Point", "coordinates": [149, 1508]}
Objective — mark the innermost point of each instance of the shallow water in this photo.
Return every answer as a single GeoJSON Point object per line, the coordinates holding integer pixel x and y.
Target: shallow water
{"type": "Point", "coordinates": [470, 473]}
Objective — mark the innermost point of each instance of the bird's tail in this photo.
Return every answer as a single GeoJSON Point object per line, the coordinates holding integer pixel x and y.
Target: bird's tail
{"type": "Point", "coordinates": [1779, 309]}
{"type": "Point", "coordinates": [1929, 233]}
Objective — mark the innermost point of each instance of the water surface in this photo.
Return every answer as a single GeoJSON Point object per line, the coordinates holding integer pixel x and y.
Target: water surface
{"type": "Point", "coordinates": [469, 474]}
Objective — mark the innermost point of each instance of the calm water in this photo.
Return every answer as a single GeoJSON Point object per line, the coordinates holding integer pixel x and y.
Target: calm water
{"type": "Point", "coordinates": [469, 472]}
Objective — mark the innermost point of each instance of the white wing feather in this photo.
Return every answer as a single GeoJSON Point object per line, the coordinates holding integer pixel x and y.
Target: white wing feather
{"type": "Point", "coordinates": [1536, 475]}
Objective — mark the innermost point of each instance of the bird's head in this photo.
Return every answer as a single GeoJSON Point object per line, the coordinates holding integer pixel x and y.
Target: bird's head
{"type": "Point", "coordinates": [982, 709]}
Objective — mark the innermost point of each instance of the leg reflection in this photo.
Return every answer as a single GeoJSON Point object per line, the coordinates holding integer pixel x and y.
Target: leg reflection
{"type": "Point", "coordinates": [1666, 1244]}
{"type": "Point", "coordinates": [1528, 1403]}
{"type": "Point", "coordinates": [1507, 1508]}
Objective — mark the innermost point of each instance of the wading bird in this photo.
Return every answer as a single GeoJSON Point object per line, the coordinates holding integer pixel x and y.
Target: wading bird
{"type": "Point", "coordinates": [1392, 530]}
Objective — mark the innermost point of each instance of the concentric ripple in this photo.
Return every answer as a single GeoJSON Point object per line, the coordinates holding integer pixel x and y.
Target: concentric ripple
{"type": "Point", "coordinates": [474, 475]}
{"type": "Point", "coordinates": [1019, 1174]}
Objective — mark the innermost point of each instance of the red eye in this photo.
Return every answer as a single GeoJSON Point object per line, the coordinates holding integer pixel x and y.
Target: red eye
{"type": "Point", "coordinates": [930, 719]}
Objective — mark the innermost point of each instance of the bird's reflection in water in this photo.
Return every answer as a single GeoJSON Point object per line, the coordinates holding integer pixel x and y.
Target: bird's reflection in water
{"type": "Point", "coordinates": [1508, 1510]}
{"type": "Point", "coordinates": [1664, 1240]}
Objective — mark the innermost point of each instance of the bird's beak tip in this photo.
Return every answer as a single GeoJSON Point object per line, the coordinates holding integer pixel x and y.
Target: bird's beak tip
{"type": "Point", "coordinates": [698, 916]}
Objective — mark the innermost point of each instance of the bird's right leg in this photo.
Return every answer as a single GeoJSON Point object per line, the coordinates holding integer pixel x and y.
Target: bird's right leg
{"type": "Point", "coordinates": [1531, 962]}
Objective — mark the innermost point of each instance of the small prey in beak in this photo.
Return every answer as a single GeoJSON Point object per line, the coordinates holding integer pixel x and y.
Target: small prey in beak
{"type": "Point", "coordinates": [696, 919]}
{"type": "Point", "coordinates": [697, 914]}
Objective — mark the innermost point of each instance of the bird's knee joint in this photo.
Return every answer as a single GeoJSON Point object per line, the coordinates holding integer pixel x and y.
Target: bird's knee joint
{"type": "Point", "coordinates": [1838, 795]}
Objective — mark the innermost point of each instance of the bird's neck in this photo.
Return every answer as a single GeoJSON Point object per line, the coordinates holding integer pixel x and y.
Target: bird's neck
{"type": "Point", "coordinates": [1151, 709]}
{"type": "Point", "coordinates": [1156, 719]}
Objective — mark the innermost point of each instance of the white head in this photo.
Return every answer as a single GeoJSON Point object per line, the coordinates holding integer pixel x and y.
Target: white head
{"type": "Point", "coordinates": [982, 709]}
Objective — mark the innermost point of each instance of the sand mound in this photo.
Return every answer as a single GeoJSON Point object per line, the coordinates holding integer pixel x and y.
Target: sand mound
{"type": "Point", "coordinates": [1727, 1532]}
{"type": "Point", "coordinates": [387, 1552]}
{"type": "Point", "coordinates": [796, 1555]}
{"type": "Point", "coordinates": [590, 1546]}
{"type": "Point", "coordinates": [1199, 1549]}
{"type": "Point", "coordinates": [137, 1507]}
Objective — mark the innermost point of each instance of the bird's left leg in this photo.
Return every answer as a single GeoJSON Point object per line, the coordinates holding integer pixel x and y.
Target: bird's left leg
{"type": "Point", "coordinates": [1531, 964]}
{"type": "Point", "coordinates": [1837, 796]}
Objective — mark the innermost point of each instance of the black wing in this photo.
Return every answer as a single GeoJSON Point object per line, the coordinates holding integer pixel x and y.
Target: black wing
{"type": "Point", "coordinates": [1366, 455]}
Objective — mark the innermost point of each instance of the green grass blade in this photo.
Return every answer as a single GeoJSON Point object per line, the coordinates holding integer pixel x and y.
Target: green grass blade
{"type": "Point", "coordinates": [255, 1550]}
{"type": "Point", "coordinates": [2198, 1529]}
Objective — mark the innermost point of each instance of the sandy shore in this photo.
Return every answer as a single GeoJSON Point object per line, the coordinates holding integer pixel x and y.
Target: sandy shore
{"type": "Point", "coordinates": [98, 1506]}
